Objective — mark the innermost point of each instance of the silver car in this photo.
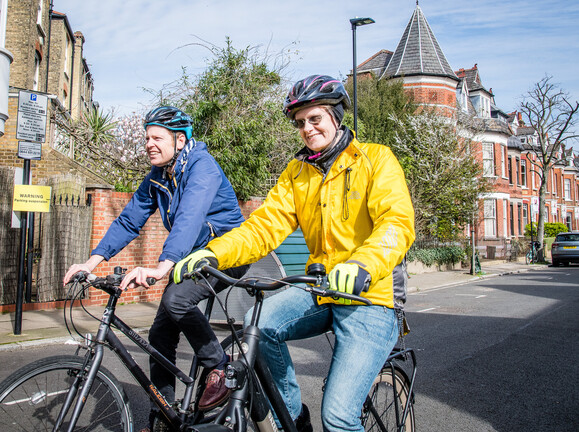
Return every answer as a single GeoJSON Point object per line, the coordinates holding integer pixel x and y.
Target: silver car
{"type": "Point", "coordinates": [565, 248]}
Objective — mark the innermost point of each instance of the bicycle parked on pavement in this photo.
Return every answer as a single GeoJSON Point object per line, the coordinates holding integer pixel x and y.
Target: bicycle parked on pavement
{"type": "Point", "coordinates": [76, 392]}
{"type": "Point", "coordinates": [389, 405]}
{"type": "Point", "coordinates": [532, 256]}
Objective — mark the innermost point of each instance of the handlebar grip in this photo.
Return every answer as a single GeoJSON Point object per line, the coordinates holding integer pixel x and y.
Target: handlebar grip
{"type": "Point", "coordinates": [80, 276]}
{"type": "Point", "coordinates": [151, 281]}
{"type": "Point", "coordinates": [333, 293]}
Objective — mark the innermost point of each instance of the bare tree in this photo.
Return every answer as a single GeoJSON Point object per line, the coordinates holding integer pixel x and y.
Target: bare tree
{"type": "Point", "coordinates": [444, 177]}
{"type": "Point", "coordinates": [547, 109]}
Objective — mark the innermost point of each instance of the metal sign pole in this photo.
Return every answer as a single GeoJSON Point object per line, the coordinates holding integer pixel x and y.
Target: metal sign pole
{"type": "Point", "coordinates": [29, 258]}
{"type": "Point", "coordinates": [31, 127]}
{"type": "Point", "coordinates": [21, 258]}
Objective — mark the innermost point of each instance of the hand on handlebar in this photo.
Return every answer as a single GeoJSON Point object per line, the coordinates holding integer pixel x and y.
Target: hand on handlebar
{"type": "Point", "coordinates": [141, 276]}
{"type": "Point", "coordinates": [74, 270]}
{"type": "Point", "coordinates": [348, 278]}
{"type": "Point", "coordinates": [188, 264]}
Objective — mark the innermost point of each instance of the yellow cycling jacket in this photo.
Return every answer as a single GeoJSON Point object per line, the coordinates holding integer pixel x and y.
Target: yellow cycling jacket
{"type": "Point", "coordinates": [361, 213]}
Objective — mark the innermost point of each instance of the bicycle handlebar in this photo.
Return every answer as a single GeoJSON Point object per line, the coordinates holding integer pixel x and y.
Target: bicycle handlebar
{"type": "Point", "coordinates": [109, 284]}
{"type": "Point", "coordinates": [317, 283]}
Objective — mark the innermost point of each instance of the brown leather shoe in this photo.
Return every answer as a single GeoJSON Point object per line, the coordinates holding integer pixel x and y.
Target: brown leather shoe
{"type": "Point", "coordinates": [215, 391]}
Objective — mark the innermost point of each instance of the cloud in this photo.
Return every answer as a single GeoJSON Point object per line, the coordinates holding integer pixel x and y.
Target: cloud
{"type": "Point", "coordinates": [135, 44]}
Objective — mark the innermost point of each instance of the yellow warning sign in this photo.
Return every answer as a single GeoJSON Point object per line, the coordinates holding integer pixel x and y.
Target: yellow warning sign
{"type": "Point", "coordinates": [31, 198]}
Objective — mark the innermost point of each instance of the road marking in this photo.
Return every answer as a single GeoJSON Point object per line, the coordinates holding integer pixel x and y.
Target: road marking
{"type": "Point", "coordinates": [480, 296]}
{"type": "Point", "coordinates": [476, 296]}
{"type": "Point", "coordinates": [426, 310]}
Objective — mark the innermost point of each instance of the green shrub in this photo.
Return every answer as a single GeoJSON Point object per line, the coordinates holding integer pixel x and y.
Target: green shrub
{"type": "Point", "coordinates": [437, 256]}
{"type": "Point", "coordinates": [120, 187]}
{"type": "Point", "coordinates": [551, 229]}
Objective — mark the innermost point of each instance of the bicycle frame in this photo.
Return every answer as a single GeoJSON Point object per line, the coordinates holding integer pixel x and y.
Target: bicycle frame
{"type": "Point", "coordinates": [262, 393]}
{"type": "Point", "coordinates": [243, 372]}
{"type": "Point", "coordinates": [95, 356]}
{"type": "Point", "coordinates": [399, 354]}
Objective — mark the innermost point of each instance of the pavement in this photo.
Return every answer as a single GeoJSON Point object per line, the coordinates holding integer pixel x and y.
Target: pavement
{"type": "Point", "coordinates": [44, 327]}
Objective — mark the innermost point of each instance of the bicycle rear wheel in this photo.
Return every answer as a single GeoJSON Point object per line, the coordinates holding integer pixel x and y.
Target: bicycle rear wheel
{"type": "Point", "coordinates": [383, 404]}
{"type": "Point", "coordinates": [32, 397]}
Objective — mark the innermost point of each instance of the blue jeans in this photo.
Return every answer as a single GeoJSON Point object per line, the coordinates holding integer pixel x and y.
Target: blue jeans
{"type": "Point", "coordinates": [364, 336]}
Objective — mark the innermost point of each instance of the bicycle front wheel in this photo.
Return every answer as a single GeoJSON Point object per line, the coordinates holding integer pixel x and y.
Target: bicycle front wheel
{"type": "Point", "coordinates": [386, 405]}
{"type": "Point", "coordinates": [31, 398]}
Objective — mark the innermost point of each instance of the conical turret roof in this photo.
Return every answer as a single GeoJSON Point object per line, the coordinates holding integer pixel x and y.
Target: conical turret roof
{"type": "Point", "coordinates": [418, 52]}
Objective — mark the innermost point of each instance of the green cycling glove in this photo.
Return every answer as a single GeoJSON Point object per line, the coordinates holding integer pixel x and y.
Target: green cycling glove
{"type": "Point", "coordinates": [348, 278]}
{"type": "Point", "coordinates": [192, 260]}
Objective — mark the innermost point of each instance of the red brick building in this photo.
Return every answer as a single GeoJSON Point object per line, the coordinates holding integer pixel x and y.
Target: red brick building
{"type": "Point", "coordinates": [503, 147]}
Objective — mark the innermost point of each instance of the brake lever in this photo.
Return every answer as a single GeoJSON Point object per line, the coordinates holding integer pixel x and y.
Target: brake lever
{"type": "Point", "coordinates": [326, 292]}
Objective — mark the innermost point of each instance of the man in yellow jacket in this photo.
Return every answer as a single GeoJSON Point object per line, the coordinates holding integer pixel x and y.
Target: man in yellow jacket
{"type": "Point", "coordinates": [352, 203]}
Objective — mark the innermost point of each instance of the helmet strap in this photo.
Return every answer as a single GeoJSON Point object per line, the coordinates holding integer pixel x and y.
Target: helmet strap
{"type": "Point", "coordinates": [176, 153]}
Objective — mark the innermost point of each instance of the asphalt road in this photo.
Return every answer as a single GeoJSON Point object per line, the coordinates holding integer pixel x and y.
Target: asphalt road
{"type": "Point", "coordinates": [495, 355]}
{"type": "Point", "coordinates": [500, 354]}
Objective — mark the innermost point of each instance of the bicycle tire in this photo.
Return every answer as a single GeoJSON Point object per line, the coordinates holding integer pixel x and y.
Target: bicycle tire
{"type": "Point", "coordinates": [31, 398]}
{"type": "Point", "coordinates": [382, 397]}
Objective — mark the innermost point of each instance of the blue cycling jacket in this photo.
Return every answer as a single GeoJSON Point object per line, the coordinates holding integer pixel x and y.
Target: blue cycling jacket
{"type": "Point", "coordinates": [196, 204]}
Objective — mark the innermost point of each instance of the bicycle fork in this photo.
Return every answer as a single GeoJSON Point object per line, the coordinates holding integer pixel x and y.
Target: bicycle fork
{"type": "Point", "coordinates": [84, 382]}
{"type": "Point", "coordinates": [261, 388]}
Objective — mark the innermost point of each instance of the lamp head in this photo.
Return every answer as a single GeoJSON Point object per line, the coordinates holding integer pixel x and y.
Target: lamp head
{"type": "Point", "coordinates": [357, 22]}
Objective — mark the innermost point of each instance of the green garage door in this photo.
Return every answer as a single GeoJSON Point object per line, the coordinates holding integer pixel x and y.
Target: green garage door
{"type": "Point", "coordinates": [293, 253]}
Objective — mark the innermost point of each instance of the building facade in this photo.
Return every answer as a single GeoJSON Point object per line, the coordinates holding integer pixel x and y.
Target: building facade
{"type": "Point", "coordinates": [48, 59]}
{"type": "Point", "coordinates": [503, 145]}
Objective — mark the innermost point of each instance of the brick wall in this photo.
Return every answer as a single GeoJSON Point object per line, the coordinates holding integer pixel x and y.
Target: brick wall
{"type": "Point", "coordinates": [247, 207]}
{"type": "Point", "coordinates": [440, 95]}
{"type": "Point", "coordinates": [144, 251]}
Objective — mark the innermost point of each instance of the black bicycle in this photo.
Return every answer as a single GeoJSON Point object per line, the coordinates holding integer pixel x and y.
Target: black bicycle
{"type": "Point", "coordinates": [532, 256]}
{"type": "Point", "coordinates": [389, 405]}
{"type": "Point", "coordinates": [75, 392]}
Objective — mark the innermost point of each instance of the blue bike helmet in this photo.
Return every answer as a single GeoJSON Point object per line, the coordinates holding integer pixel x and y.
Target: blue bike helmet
{"type": "Point", "coordinates": [170, 118]}
{"type": "Point", "coordinates": [173, 119]}
{"type": "Point", "coordinates": [316, 90]}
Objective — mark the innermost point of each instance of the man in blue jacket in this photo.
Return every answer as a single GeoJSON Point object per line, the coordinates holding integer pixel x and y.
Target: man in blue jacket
{"type": "Point", "coordinates": [196, 203]}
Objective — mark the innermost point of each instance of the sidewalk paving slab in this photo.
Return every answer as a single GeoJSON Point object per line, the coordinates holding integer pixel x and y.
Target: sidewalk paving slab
{"type": "Point", "coordinates": [45, 327]}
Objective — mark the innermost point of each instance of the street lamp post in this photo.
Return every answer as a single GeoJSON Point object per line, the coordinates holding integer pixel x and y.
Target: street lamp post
{"type": "Point", "coordinates": [357, 22]}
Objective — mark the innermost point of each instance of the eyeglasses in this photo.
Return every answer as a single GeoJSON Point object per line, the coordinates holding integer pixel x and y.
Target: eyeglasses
{"type": "Point", "coordinates": [313, 120]}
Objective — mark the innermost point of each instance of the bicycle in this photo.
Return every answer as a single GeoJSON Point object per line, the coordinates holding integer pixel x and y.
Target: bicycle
{"type": "Point", "coordinates": [532, 255]}
{"type": "Point", "coordinates": [389, 405]}
{"type": "Point", "coordinates": [73, 392]}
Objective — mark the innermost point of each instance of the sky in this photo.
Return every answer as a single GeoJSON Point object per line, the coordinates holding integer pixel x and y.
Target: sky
{"type": "Point", "coordinates": [132, 45]}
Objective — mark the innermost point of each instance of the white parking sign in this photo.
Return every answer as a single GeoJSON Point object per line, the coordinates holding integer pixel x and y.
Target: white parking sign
{"type": "Point", "coordinates": [534, 205]}
{"type": "Point", "coordinates": [31, 125]}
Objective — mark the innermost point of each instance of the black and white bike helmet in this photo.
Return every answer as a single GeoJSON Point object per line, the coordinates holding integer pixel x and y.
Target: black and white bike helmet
{"type": "Point", "coordinates": [315, 90]}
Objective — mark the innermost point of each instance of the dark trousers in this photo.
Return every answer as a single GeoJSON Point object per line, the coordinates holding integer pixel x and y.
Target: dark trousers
{"type": "Point", "coordinates": [178, 312]}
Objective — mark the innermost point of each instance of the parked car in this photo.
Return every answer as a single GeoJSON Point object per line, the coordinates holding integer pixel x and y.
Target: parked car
{"type": "Point", "coordinates": [565, 248]}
